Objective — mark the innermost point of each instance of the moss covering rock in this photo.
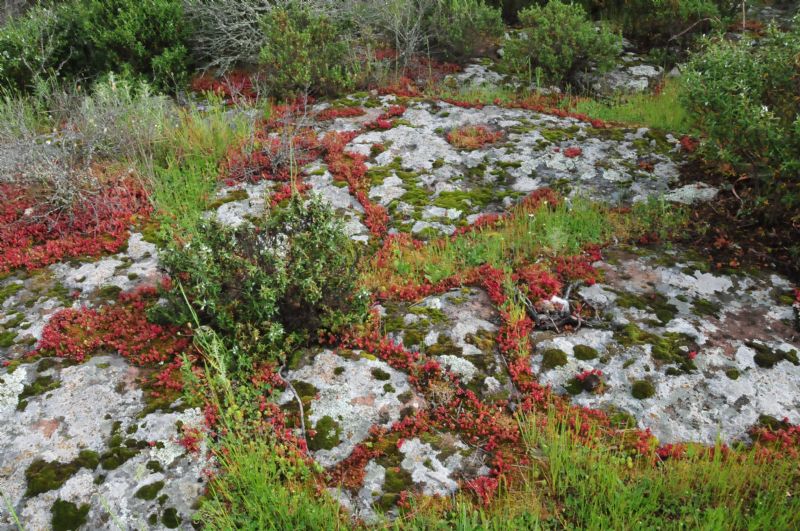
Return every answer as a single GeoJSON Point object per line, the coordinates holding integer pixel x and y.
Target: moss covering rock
{"type": "Point", "coordinates": [552, 358]}
{"type": "Point", "coordinates": [642, 389]}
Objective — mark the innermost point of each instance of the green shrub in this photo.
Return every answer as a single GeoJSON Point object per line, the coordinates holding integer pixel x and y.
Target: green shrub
{"type": "Point", "coordinates": [36, 44]}
{"type": "Point", "coordinates": [271, 286]}
{"type": "Point", "coordinates": [660, 22]}
{"type": "Point", "coordinates": [646, 22]}
{"type": "Point", "coordinates": [304, 50]}
{"type": "Point", "coordinates": [460, 27]}
{"type": "Point", "coordinates": [558, 41]}
{"type": "Point", "coordinates": [743, 98]}
{"type": "Point", "coordinates": [142, 37]}
{"type": "Point", "coordinates": [452, 29]}
{"type": "Point", "coordinates": [88, 38]}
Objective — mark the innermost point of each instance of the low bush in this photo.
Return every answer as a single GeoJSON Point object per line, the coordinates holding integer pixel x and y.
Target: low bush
{"type": "Point", "coordinates": [680, 21]}
{"type": "Point", "coordinates": [141, 37]}
{"type": "Point", "coordinates": [660, 22]}
{"type": "Point", "coordinates": [646, 22]}
{"type": "Point", "coordinates": [87, 38]}
{"type": "Point", "coordinates": [305, 51]}
{"type": "Point", "coordinates": [742, 97]}
{"type": "Point", "coordinates": [557, 41]}
{"type": "Point", "coordinates": [460, 28]}
{"type": "Point", "coordinates": [452, 29]}
{"type": "Point", "coordinates": [37, 44]}
{"type": "Point", "coordinates": [269, 287]}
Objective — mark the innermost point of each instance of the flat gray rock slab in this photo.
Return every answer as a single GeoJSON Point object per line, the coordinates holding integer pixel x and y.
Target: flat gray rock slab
{"type": "Point", "coordinates": [94, 407]}
{"type": "Point", "coordinates": [660, 307]}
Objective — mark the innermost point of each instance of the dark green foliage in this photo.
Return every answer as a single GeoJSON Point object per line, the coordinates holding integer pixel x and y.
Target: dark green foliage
{"type": "Point", "coordinates": [558, 42]}
{"type": "Point", "coordinates": [743, 97]}
{"type": "Point", "coordinates": [67, 516]}
{"type": "Point", "coordinates": [140, 37]}
{"type": "Point", "coordinates": [461, 27]}
{"type": "Point", "coordinates": [659, 22]}
{"type": "Point", "coordinates": [646, 22]}
{"type": "Point", "coordinates": [304, 51]}
{"type": "Point", "coordinates": [22, 57]}
{"type": "Point", "coordinates": [270, 287]}
{"type": "Point", "coordinates": [88, 38]}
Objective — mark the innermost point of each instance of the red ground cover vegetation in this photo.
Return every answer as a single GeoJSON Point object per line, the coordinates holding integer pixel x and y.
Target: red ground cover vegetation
{"type": "Point", "coordinates": [34, 235]}
{"type": "Point", "coordinates": [235, 86]}
{"type": "Point", "coordinates": [122, 327]}
{"type": "Point", "coordinates": [473, 137]}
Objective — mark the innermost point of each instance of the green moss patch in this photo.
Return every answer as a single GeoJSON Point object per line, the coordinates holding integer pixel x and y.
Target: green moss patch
{"type": "Point", "coordinates": [9, 290]}
{"type": "Point", "coordinates": [732, 373]}
{"type": "Point", "coordinates": [66, 516]}
{"type": "Point", "coordinates": [327, 436]}
{"type": "Point", "coordinates": [380, 374]}
{"type": "Point", "coordinates": [642, 389]}
{"type": "Point", "coordinates": [7, 338]}
{"type": "Point", "coordinates": [668, 348]}
{"type": "Point", "coordinates": [396, 481]}
{"type": "Point", "coordinates": [109, 292]}
{"type": "Point", "coordinates": [234, 195]}
{"type": "Point", "coordinates": [573, 386]}
{"type": "Point", "coordinates": [767, 357]}
{"type": "Point", "coordinates": [42, 476]}
{"type": "Point", "coordinates": [306, 391]}
{"type": "Point", "coordinates": [149, 492]}
{"type": "Point", "coordinates": [39, 386]}
{"type": "Point", "coordinates": [444, 346]}
{"type": "Point", "coordinates": [702, 307]}
{"type": "Point", "coordinates": [170, 518]}
{"type": "Point", "coordinates": [552, 358]}
{"type": "Point", "coordinates": [584, 352]}
{"type": "Point", "coordinates": [119, 450]}
{"type": "Point", "coordinates": [654, 303]}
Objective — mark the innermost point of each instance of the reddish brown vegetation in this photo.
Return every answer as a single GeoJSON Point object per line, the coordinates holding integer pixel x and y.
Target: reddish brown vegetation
{"type": "Point", "coordinates": [34, 235]}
